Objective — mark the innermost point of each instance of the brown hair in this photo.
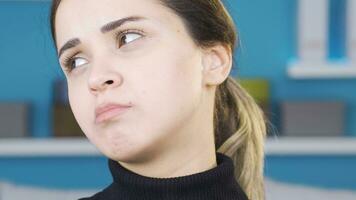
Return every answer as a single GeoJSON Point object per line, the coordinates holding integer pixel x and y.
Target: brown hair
{"type": "Point", "coordinates": [239, 123]}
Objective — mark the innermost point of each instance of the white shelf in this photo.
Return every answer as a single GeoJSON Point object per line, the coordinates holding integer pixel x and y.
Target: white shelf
{"type": "Point", "coordinates": [82, 147]}
{"type": "Point", "coordinates": [47, 147]}
{"type": "Point", "coordinates": [299, 70]}
{"type": "Point", "coordinates": [311, 146]}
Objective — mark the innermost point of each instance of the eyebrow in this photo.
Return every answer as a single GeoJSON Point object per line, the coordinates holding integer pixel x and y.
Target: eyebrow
{"type": "Point", "coordinates": [104, 29]}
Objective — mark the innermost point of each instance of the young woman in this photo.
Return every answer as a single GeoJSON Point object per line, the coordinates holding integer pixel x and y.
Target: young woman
{"type": "Point", "coordinates": [148, 83]}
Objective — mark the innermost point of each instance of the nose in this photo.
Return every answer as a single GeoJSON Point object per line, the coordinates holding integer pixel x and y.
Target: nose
{"type": "Point", "coordinates": [102, 79]}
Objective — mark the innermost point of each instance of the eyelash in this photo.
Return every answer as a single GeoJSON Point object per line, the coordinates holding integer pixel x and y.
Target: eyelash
{"type": "Point", "coordinates": [67, 61]}
{"type": "Point", "coordinates": [120, 33]}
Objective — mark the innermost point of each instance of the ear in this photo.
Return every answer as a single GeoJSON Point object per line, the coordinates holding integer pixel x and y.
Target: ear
{"type": "Point", "coordinates": [217, 64]}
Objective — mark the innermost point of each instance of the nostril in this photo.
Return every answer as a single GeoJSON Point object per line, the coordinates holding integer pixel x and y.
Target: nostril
{"type": "Point", "coordinates": [110, 82]}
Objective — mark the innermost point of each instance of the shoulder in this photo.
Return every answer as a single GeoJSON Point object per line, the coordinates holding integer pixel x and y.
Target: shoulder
{"type": "Point", "coordinates": [105, 194]}
{"type": "Point", "coordinates": [94, 197]}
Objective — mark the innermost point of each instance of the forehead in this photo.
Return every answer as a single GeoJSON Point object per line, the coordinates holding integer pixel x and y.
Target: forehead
{"type": "Point", "coordinates": [76, 18]}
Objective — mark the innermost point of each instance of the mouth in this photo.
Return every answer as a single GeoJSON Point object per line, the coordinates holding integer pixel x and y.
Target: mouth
{"type": "Point", "coordinates": [109, 112]}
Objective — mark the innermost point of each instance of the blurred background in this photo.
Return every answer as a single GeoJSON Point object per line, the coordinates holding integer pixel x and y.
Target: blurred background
{"type": "Point", "coordinates": [296, 57]}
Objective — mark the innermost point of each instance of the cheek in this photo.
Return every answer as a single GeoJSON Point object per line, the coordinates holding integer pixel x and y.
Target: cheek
{"type": "Point", "coordinates": [172, 73]}
{"type": "Point", "coordinates": [170, 89]}
{"type": "Point", "coordinates": [181, 78]}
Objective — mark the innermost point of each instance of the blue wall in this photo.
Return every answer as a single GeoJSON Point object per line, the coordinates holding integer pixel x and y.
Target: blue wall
{"type": "Point", "coordinates": [28, 63]}
{"type": "Point", "coordinates": [56, 172]}
{"type": "Point", "coordinates": [268, 43]}
{"type": "Point", "coordinates": [267, 33]}
{"type": "Point", "coordinates": [314, 170]}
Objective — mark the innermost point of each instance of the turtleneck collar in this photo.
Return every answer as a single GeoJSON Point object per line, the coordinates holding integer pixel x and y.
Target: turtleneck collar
{"type": "Point", "coordinates": [215, 183]}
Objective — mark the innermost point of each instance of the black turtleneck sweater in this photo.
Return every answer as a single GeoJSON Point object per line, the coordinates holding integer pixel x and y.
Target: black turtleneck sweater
{"type": "Point", "coordinates": [217, 183]}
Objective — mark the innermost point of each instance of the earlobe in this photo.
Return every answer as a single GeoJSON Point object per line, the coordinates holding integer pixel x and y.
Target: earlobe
{"type": "Point", "coordinates": [217, 63]}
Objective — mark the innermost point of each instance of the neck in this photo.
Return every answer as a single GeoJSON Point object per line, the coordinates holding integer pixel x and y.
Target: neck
{"type": "Point", "coordinates": [189, 151]}
{"type": "Point", "coordinates": [178, 162]}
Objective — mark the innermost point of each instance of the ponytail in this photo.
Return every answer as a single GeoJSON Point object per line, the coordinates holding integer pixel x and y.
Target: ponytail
{"type": "Point", "coordinates": [240, 131]}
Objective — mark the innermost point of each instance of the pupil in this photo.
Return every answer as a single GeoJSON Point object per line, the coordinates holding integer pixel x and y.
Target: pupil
{"type": "Point", "coordinates": [73, 64]}
{"type": "Point", "coordinates": [123, 39]}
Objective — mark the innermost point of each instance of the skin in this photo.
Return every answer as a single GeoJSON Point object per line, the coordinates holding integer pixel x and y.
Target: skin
{"type": "Point", "coordinates": [169, 81]}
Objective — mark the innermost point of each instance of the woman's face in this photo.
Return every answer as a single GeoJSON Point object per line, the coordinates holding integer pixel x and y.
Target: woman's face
{"type": "Point", "coordinates": [153, 66]}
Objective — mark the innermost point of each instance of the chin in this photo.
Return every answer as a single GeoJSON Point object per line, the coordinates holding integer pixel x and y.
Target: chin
{"type": "Point", "coordinates": [117, 143]}
{"type": "Point", "coordinates": [125, 152]}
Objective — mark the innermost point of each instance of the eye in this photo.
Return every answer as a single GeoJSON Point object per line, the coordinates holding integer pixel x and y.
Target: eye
{"type": "Point", "coordinates": [78, 61]}
{"type": "Point", "coordinates": [71, 63]}
{"type": "Point", "coordinates": [126, 37]}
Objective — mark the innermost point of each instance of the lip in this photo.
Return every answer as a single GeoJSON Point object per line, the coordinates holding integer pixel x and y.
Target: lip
{"type": "Point", "coordinates": [109, 111]}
